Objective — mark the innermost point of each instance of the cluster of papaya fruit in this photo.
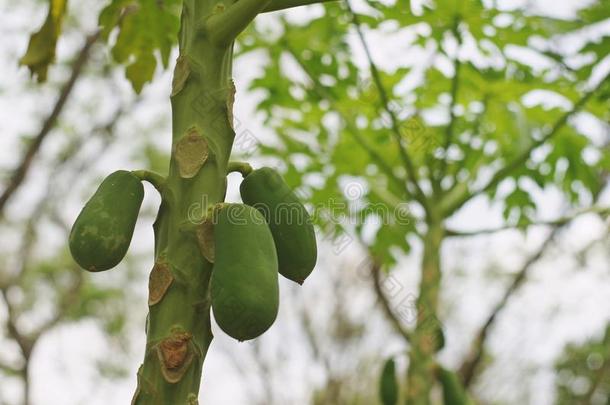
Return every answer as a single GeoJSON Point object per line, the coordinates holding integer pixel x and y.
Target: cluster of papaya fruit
{"type": "Point", "coordinates": [248, 244]}
{"type": "Point", "coordinates": [270, 233]}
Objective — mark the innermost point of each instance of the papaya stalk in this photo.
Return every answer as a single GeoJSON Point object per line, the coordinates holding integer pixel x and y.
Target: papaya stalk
{"type": "Point", "coordinates": [178, 330]}
{"type": "Point", "coordinates": [182, 288]}
{"type": "Point", "coordinates": [425, 338]}
{"type": "Point", "coordinates": [178, 327]}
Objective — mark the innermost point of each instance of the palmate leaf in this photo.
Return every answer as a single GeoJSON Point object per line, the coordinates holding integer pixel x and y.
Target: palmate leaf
{"type": "Point", "coordinates": [499, 114]}
{"type": "Point", "coordinates": [596, 12]}
{"type": "Point", "coordinates": [146, 27]}
{"type": "Point", "coordinates": [396, 223]}
{"type": "Point", "coordinates": [574, 174]}
{"type": "Point", "coordinates": [519, 208]}
{"type": "Point", "coordinates": [41, 48]}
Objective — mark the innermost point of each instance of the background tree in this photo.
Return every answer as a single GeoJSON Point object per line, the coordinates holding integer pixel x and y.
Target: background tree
{"type": "Point", "coordinates": [479, 120]}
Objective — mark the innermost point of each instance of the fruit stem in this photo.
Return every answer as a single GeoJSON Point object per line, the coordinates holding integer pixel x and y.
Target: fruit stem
{"type": "Point", "coordinates": [241, 167]}
{"type": "Point", "coordinates": [153, 178]}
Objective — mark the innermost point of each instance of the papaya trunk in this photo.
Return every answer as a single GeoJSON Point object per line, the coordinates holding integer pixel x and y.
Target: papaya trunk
{"type": "Point", "coordinates": [178, 327]}
{"type": "Point", "coordinates": [424, 343]}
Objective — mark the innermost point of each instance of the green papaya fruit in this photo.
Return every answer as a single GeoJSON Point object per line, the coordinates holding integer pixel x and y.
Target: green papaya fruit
{"type": "Point", "coordinates": [388, 384]}
{"type": "Point", "coordinates": [102, 231]}
{"type": "Point", "coordinates": [288, 220]}
{"type": "Point", "coordinates": [453, 390]}
{"type": "Point", "coordinates": [244, 284]}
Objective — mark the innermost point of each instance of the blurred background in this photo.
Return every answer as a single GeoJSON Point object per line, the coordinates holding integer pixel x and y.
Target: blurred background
{"type": "Point", "coordinates": [523, 300]}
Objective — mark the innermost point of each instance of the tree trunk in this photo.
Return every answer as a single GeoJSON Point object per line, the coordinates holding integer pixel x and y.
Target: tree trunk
{"type": "Point", "coordinates": [425, 338]}
{"type": "Point", "coordinates": [178, 328]}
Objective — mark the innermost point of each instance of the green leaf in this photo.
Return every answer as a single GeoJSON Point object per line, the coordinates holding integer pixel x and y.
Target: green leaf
{"type": "Point", "coordinates": [388, 384]}
{"type": "Point", "coordinates": [145, 28]}
{"type": "Point", "coordinates": [141, 71]}
{"type": "Point", "coordinates": [41, 48]}
{"type": "Point", "coordinates": [587, 362]}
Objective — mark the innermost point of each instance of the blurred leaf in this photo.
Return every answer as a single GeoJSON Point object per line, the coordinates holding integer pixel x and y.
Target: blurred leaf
{"type": "Point", "coordinates": [388, 384]}
{"type": "Point", "coordinates": [583, 372]}
{"type": "Point", "coordinates": [41, 48]}
{"type": "Point", "coordinates": [145, 27]}
{"type": "Point", "coordinates": [141, 71]}
{"type": "Point", "coordinates": [453, 391]}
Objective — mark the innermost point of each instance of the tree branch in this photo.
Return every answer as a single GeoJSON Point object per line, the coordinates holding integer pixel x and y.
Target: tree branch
{"type": "Point", "coordinates": [276, 5]}
{"type": "Point", "coordinates": [69, 298]}
{"type": "Point", "coordinates": [555, 222]}
{"type": "Point", "coordinates": [469, 366]}
{"type": "Point", "coordinates": [385, 303]}
{"type": "Point", "coordinates": [455, 84]}
{"type": "Point", "coordinates": [419, 195]}
{"type": "Point", "coordinates": [22, 169]}
{"type": "Point", "coordinates": [375, 271]}
{"type": "Point", "coordinates": [327, 94]}
{"type": "Point", "coordinates": [456, 201]}
{"type": "Point", "coordinates": [225, 25]}
{"type": "Point", "coordinates": [25, 344]}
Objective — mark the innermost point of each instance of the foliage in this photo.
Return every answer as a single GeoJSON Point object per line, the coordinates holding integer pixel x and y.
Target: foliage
{"type": "Point", "coordinates": [334, 116]}
{"type": "Point", "coordinates": [41, 49]}
{"type": "Point", "coordinates": [583, 372]}
{"type": "Point", "coordinates": [147, 29]}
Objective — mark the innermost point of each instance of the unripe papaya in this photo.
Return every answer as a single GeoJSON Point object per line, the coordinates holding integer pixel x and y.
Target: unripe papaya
{"type": "Point", "coordinates": [102, 231]}
{"type": "Point", "coordinates": [244, 284]}
{"type": "Point", "coordinates": [288, 220]}
{"type": "Point", "coordinates": [388, 384]}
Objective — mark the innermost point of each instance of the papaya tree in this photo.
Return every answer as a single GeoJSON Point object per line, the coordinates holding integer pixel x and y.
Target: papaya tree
{"type": "Point", "coordinates": [197, 235]}
{"type": "Point", "coordinates": [467, 130]}
{"type": "Point", "coordinates": [474, 102]}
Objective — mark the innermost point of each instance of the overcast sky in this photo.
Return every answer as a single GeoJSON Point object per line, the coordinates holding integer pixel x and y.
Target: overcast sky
{"type": "Point", "coordinates": [63, 371]}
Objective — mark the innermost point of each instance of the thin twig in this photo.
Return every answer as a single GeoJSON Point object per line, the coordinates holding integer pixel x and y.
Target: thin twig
{"type": "Point", "coordinates": [603, 211]}
{"type": "Point", "coordinates": [55, 174]}
{"type": "Point", "coordinates": [22, 169]}
{"type": "Point", "coordinates": [404, 154]}
{"type": "Point", "coordinates": [455, 84]}
{"type": "Point", "coordinates": [327, 94]}
{"type": "Point", "coordinates": [25, 344]}
{"type": "Point", "coordinates": [375, 271]}
{"type": "Point", "coordinates": [469, 366]}
{"type": "Point", "coordinates": [385, 303]}
{"type": "Point", "coordinates": [522, 158]}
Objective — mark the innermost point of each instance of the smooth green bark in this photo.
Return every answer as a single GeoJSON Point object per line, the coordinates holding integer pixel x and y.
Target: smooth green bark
{"type": "Point", "coordinates": [424, 340]}
{"type": "Point", "coordinates": [178, 328]}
